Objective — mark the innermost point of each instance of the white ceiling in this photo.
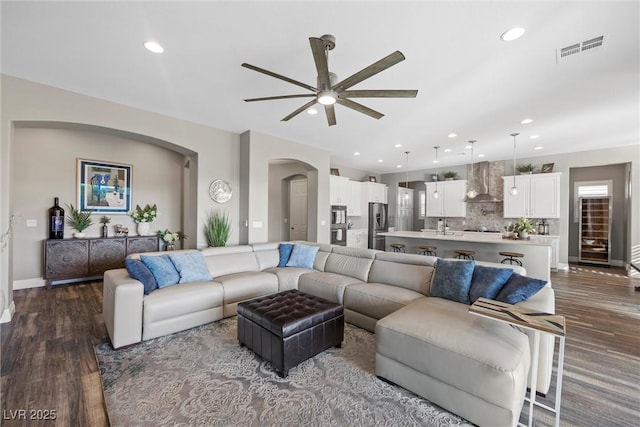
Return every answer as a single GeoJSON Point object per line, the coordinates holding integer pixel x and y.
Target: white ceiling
{"type": "Point", "coordinates": [469, 81]}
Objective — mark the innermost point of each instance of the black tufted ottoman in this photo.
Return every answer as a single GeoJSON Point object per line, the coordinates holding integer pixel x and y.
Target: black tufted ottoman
{"type": "Point", "coordinates": [289, 327]}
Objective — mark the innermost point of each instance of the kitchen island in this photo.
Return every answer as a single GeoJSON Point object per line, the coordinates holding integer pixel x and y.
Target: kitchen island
{"type": "Point", "coordinates": [537, 250]}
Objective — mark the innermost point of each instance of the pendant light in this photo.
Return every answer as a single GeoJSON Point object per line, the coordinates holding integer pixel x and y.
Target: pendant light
{"type": "Point", "coordinates": [406, 183]}
{"type": "Point", "coordinates": [435, 193]}
{"type": "Point", "coordinates": [471, 193]}
{"type": "Point", "coordinates": [514, 190]}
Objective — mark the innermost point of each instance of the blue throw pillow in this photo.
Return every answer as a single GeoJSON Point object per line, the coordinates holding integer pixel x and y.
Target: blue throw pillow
{"type": "Point", "coordinates": [141, 273]}
{"type": "Point", "coordinates": [191, 267]}
{"type": "Point", "coordinates": [162, 269]}
{"type": "Point", "coordinates": [302, 256]}
{"type": "Point", "coordinates": [520, 288]}
{"type": "Point", "coordinates": [452, 280]}
{"type": "Point", "coordinates": [488, 281]}
{"type": "Point", "coordinates": [285, 253]}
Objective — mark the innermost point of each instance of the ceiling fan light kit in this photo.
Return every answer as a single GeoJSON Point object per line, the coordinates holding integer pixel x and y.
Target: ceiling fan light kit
{"type": "Point", "coordinates": [329, 90]}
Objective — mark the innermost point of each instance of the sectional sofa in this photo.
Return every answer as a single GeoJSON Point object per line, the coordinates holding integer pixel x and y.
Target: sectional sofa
{"type": "Point", "coordinates": [474, 367]}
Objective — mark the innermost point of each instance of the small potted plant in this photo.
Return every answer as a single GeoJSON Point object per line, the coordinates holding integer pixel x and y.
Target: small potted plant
{"type": "Point", "coordinates": [217, 229]}
{"type": "Point", "coordinates": [450, 175]}
{"type": "Point", "coordinates": [525, 169]}
{"type": "Point", "coordinates": [105, 229]}
{"type": "Point", "coordinates": [170, 238]}
{"type": "Point", "coordinates": [523, 227]}
{"type": "Point", "coordinates": [144, 216]}
{"type": "Point", "coordinates": [80, 220]}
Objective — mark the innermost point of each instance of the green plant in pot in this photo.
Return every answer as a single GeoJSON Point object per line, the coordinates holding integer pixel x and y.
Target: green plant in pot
{"type": "Point", "coordinates": [104, 220]}
{"type": "Point", "coordinates": [80, 220]}
{"type": "Point", "coordinates": [217, 229]}
{"type": "Point", "coordinates": [523, 227]}
{"type": "Point", "coordinates": [525, 169]}
{"type": "Point", "coordinates": [450, 175]}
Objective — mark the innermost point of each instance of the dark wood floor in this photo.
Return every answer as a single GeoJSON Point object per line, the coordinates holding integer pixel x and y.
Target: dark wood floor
{"type": "Point", "coordinates": [48, 362]}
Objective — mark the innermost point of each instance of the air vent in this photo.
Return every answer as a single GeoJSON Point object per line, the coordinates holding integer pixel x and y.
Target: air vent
{"type": "Point", "coordinates": [583, 47]}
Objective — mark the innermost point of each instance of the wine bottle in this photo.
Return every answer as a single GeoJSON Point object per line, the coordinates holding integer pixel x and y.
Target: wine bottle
{"type": "Point", "coordinates": [56, 221]}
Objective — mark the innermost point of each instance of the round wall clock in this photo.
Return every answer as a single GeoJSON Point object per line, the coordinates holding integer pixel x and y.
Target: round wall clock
{"type": "Point", "coordinates": [220, 191]}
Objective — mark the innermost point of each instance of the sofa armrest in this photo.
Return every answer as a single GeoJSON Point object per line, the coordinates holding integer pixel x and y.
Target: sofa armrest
{"type": "Point", "coordinates": [122, 299]}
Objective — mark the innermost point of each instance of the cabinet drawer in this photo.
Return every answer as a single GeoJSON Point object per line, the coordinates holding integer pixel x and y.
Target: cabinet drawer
{"type": "Point", "coordinates": [137, 245]}
{"type": "Point", "coordinates": [106, 254]}
{"type": "Point", "coordinates": [66, 259]}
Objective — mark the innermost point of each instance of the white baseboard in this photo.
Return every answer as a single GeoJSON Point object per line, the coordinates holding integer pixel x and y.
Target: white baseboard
{"type": "Point", "coordinates": [7, 314]}
{"type": "Point", "coordinates": [29, 283]}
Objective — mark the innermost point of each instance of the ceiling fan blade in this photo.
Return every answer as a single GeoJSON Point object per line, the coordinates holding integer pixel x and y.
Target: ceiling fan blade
{"type": "Point", "coordinates": [371, 70]}
{"type": "Point", "coordinates": [360, 108]}
{"type": "Point", "coordinates": [320, 58]}
{"type": "Point", "coordinates": [299, 110]}
{"type": "Point", "coordinates": [379, 93]}
{"type": "Point", "coordinates": [278, 76]}
{"type": "Point", "coordinates": [269, 98]}
{"type": "Point", "coordinates": [331, 114]}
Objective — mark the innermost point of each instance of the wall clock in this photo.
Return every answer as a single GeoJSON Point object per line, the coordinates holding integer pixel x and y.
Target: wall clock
{"type": "Point", "coordinates": [220, 191]}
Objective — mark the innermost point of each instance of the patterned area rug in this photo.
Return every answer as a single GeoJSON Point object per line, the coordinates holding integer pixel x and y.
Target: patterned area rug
{"type": "Point", "coordinates": [203, 377]}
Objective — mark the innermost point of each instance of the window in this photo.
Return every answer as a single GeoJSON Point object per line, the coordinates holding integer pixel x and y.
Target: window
{"type": "Point", "coordinates": [588, 189]}
{"type": "Point", "coordinates": [423, 204]}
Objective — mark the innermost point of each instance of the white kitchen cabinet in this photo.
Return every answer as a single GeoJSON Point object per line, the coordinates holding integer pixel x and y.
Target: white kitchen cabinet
{"type": "Point", "coordinates": [339, 190]}
{"type": "Point", "coordinates": [450, 201]}
{"type": "Point", "coordinates": [538, 196]}
{"type": "Point", "coordinates": [358, 238]}
{"type": "Point", "coordinates": [374, 192]}
{"type": "Point", "coordinates": [354, 204]}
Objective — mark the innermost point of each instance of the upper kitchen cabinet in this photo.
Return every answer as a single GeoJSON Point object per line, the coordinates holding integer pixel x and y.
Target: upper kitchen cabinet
{"type": "Point", "coordinates": [374, 192]}
{"type": "Point", "coordinates": [450, 201]}
{"type": "Point", "coordinates": [339, 190]}
{"type": "Point", "coordinates": [538, 196]}
{"type": "Point", "coordinates": [354, 205]}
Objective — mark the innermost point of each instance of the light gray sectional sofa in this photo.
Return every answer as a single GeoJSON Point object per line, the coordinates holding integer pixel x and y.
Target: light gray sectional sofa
{"type": "Point", "coordinates": [475, 367]}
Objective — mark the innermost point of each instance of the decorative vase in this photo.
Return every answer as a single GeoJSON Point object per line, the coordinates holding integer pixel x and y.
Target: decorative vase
{"type": "Point", "coordinates": [143, 229]}
{"type": "Point", "coordinates": [523, 235]}
{"type": "Point", "coordinates": [79, 235]}
{"type": "Point", "coordinates": [170, 246]}
{"type": "Point", "coordinates": [105, 231]}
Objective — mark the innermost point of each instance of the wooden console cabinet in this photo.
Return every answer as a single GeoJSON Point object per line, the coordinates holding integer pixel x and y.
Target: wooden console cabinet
{"type": "Point", "coordinates": [67, 259]}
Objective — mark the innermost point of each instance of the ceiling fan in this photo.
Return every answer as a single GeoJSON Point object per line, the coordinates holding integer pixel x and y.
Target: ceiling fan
{"type": "Point", "coordinates": [329, 90]}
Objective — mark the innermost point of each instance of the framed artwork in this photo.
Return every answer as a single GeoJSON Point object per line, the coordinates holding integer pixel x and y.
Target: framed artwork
{"type": "Point", "coordinates": [547, 168]}
{"type": "Point", "coordinates": [104, 187]}
{"type": "Point", "coordinates": [372, 178]}
{"type": "Point", "coordinates": [335, 171]}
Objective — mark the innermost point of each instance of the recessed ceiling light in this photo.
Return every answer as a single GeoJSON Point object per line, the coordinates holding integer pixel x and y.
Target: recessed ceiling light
{"type": "Point", "coordinates": [538, 148]}
{"type": "Point", "coordinates": [452, 135]}
{"type": "Point", "coordinates": [380, 160]}
{"type": "Point", "coordinates": [534, 137]}
{"type": "Point", "coordinates": [356, 153]}
{"type": "Point", "coordinates": [436, 161]}
{"type": "Point", "coordinates": [398, 166]}
{"type": "Point", "coordinates": [398, 145]}
{"type": "Point", "coordinates": [526, 121]}
{"type": "Point", "coordinates": [512, 34]}
{"type": "Point", "coordinates": [447, 150]}
{"type": "Point", "coordinates": [312, 111]}
{"type": "Point", "coordinates": [468, 147]}
{"type": "Point", "coordinates": [154, 46]}
{"type": "Point", "coordinates": [481, 155]}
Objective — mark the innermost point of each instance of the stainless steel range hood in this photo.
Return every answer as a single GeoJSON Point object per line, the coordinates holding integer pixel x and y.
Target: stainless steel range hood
{"type": "Point", "coordinates": [481, 179]}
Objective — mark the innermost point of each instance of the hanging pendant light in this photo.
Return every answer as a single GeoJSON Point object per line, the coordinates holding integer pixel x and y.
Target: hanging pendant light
{"type": "Point", "coordinates": [435, 193]}
{"type": "Point", "coordinates": [406, 183]}
{"type": "Point", "coordinates": [471, 193]}
{"type": "Point", "coordinates": [514, 190]}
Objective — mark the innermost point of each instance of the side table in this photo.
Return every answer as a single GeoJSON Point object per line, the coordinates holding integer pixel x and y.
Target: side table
{"type": "Point", "coordinates": [538, 322]}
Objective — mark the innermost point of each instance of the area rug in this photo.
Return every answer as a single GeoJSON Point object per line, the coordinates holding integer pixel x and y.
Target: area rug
{"type": "Point", "coordinates": [203, 377]}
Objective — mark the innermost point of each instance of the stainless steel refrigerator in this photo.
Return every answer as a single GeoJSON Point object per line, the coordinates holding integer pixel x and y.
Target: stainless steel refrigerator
{"type": "Point", "coordinates": [378, 223]}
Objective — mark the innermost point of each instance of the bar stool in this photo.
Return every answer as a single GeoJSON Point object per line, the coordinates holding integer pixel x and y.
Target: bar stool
{"type": "Point", "coordinates": [427, 250]}
{"type": "Point", "coordinates": [464, 254]}
{"type": "Point", "coordinates": [397, 247]}
{"type": "Point", "coordinates": [511, 257]}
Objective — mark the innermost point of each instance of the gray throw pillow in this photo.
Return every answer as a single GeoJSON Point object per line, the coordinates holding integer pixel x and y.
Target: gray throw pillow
{"type": "Point", "coordinates": [452, 280]}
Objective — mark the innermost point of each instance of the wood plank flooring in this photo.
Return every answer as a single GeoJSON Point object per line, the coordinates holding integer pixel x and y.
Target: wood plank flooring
{"type": "Point", "coordinates": [47, 360]}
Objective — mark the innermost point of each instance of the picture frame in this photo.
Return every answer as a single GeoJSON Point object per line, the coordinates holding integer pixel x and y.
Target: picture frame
{"type": "Point", "coordinates": [372, 178]}
{"type": "Point", "coordinates": [547, 168]}
{"type": "Point", "coordinates": [104, 187]}
{"type": "Point", "coordinates": [335, 171]}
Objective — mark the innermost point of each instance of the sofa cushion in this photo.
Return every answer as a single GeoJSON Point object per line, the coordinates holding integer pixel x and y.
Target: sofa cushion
{"type": "Point", "coordinates": [520, 288]}
{"type": "Point", "coordinates": [285, 253]}
{"type": "Point", "coordinates": [184, 299]}
{"type": "Point", "coordinates": [162, 269]}
{"type": "Point", "coordinates": [408, 271]}
{"type": "Point", "coordinates": [230, 260]}
{"type": "Point", "coordinates": [354, 262]}
{"type": "Point", "coordinates": [302, 256]}
{"type": "Point", "coordinates": [139, 271]}
{"type": "Point", "coordinates": [377, 300]}
{"type": "Point", "coordinates": [452, 280]}
{"type": "Point", "coordinates": [329, 286]}
{"type": "Point", "coordinates": [247, 285]}
{"type": "Point", "coordinates": [267, 255]}
{"type": "Point", "coordinates": [488, 281]}
{"type": "Point", "coordinates": [288, 276]}
{"type": "Point", "coordinates": [191, 267]}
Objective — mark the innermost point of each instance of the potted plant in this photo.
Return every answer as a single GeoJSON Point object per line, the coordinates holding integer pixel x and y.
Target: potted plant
{"type": "Point", "coordinates": [217, 229]}
{"type": "Point", "coordinates": [80, 220]}
{"type": "Point", "coordinates": [144, 216]}
{"type": "Point", "coordinates": [105, 230]}
{"type": "Point", "coordinates": [170, 238]}
{"type": "Point", "coordinates": [523, 227]}
{"type": "Point", "coordinates": [525, 169]}
{"type": "Point", "coordinates": [450, 175]}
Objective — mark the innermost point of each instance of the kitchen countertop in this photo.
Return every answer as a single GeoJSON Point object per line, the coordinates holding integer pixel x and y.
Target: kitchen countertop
{"type": "Point", "coordinates": [467, 236]}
